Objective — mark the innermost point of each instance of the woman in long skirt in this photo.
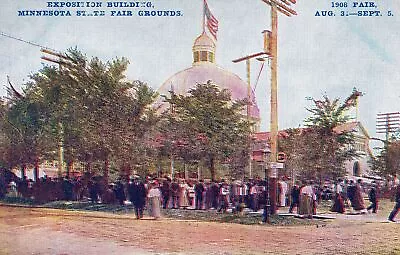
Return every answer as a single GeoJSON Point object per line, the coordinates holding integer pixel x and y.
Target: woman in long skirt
{"type": "Point", "coordinates": [306, 201]}
{"type": "Point", "coordinates": [154, 198]}
{"type": "Point", "coordinates": [183, 195]}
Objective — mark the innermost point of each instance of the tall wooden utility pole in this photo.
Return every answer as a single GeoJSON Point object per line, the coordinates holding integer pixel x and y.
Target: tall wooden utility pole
{"type": "Point", "coordinates": [283, 7]}
{"type": "Point", "coordinates": [249, 99]}
{"type": "Point", "coordinates": [61, 60]}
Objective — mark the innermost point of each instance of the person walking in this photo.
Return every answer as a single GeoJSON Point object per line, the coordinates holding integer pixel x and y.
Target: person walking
{"type": "Point", "coordinates": [137, 195]}
{"type": "Point", "coordinates": [214, 189]}
{"type": "Point", "coordinates": [306, 200]}
{"type": "Point", "coordinates": [350, 192]}
{"type": "Point", "coordinates": [254, 198]}
{"type": "Point", "coordinates": [373, 198]}
{"type": "Point", "coordinates": [199, 189]}
{"type": "Point", "coordinates": [166, 192]}
{"type": "Point", "coordinates": [396, 208]}
{"type": "Point", "coordinates": [224, 194]}
{"type": "Point", "coordinates": [183, 195]}
{"type": "Point", "coordinates": [295, 198]}
{"type": "Point", "coordinates": [338, 202]}
{"type": "Point", "coordinates": [358, 200]}
{"type": "Point", "coordinates": [175, 194]}
{"type": "Point", "coordinates": [283, 187]}
{"type": "Point", "coordinates": [154, 200]}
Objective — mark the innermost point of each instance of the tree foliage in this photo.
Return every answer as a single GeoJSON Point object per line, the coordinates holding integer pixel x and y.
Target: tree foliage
{"type": "Point", "coordinates": [320, 150]}
{"type": "Point", "coordinates": [207, 125]}
{"type": "Point", "coordinates": [88, 106]}
{"type": "Point", "coordinates": [387, 162]}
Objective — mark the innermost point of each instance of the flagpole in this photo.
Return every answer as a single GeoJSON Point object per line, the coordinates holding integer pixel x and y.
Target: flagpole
{"type": "Point", "coordinates": [204, 15]}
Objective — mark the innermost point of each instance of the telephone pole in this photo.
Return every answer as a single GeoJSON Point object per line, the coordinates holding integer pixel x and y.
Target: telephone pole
{"type": "Point", "coordinates": [387, 123]}
{"type": "Point", "coordinates": [283, 6]}
{"type": "Point", "coordinates": [249, 98]}
{"type": "Point", "coordinates": [61, 60]}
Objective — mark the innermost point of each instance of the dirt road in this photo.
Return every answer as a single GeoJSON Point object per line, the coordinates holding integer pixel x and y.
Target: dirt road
{"type": "Point", "coordinates": [50, 231]}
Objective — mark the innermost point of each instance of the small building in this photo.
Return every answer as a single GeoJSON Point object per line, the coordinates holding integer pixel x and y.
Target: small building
{"type": "Point", "coordinates": [358, 167]}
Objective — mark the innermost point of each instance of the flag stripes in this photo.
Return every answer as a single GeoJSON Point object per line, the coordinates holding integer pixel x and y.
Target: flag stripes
{"type": "Point", "coordinates": [212, 22]}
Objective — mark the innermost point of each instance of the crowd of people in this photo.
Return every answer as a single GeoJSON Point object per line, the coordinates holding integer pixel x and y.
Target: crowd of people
{"type": "Point", "coordinates": [345, 194]}
{"type": "Point", "coordinates": [141, 192]}
{"type": "Point", "coordinates": [156, 193]}
{"type": "Point", "coordinates": [350, 194]}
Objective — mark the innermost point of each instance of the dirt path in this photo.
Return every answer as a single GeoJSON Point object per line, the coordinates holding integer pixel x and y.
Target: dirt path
{"type": "Point", "coordinates": [49, 231]}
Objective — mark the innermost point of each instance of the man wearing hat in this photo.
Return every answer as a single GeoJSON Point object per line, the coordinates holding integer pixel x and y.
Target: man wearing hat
{"type": "Point", "coordinates": [137, 195]}
{"type": "Point", "coordinates": [373, 198]}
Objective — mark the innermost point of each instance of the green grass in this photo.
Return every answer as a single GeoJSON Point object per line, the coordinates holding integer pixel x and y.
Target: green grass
{"type": "Point", "coordinates": [179, 214]}
{"type": "Point", "coordinates": [385, 207]}
{"type": "Point", "coordinates": [247, 219]}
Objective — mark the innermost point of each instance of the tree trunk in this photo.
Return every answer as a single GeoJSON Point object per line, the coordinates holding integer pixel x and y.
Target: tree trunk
{"type": "Point", "coordinates": [212, 168]}
{"type": "Point", "coordinates": [106, 169]}
{"type": "Point", "coordinates": [36, 171]}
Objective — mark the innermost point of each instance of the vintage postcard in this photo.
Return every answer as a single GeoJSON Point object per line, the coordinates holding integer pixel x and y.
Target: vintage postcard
{"type": "Point", "coordinates": [199, 127]}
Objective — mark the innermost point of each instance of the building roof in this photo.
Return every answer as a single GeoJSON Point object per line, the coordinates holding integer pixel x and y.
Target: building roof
{"type": "Point", "coordinates": [187, 79]}
{"type": "Point", "coordinates": [203, 41]}
{"type": "Point", "coordinates": [351, 126]}
{"type": "Point", "coordinates": [266, 136]}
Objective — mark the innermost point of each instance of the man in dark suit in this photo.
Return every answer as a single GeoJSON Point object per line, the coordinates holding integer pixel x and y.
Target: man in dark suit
{"type": "Point", "coordinates": [137, 194]}
{"type": "Point", "coordinates": [373, 198]}
{"type": "Point", "coordinates": [199, 189]}
{"type": "Point", "coordinates": [165, 192]}
{"type": "Point", "coordinates": [295, 197]}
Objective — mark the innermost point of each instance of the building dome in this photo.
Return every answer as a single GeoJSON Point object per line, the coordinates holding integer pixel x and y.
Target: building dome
{"type": "Point", "coordinates": [187, 79]}
{"type": "Point", "coordinates": [205, 69]}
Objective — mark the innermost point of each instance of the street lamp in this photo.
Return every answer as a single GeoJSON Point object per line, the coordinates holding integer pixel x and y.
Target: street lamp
{"type": "Point", "coordinates": [267, 204]}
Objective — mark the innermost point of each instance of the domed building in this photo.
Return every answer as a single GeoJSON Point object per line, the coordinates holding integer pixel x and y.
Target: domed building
{"type": "Point", "coordinates": [204, 69]}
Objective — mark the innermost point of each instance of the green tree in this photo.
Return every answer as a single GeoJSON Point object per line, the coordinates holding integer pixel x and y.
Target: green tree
{"type": "Point", "coordinates": [90, 107]}
{"type": "Point", "coordinates": [104, 117]}
{"type": "Point", "coordinates": [25, 128]}
{"type": "Point", "coordinates": [211, 126]}
{"type": "Point", "coordinates": [321, 149]}
{"type": "Point", "coordinates": [387, 162]}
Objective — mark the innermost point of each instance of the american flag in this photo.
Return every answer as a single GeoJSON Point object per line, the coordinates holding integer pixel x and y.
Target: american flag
{"type": "Point", "coordinates": [212, 22]}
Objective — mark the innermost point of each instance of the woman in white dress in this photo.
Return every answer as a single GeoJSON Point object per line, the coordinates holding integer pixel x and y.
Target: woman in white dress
{"type": "Point", "coordinates": [282, 195]}
{"type": "Point", "coordinates": [154, 200]}
{"type": "Point", "coordinates": [183, 194]}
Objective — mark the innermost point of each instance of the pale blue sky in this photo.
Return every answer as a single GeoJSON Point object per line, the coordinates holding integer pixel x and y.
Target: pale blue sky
{"type": "Point", "coordinates": [317, 55]}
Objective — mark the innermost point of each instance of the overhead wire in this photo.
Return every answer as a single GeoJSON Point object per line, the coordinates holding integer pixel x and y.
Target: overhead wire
{"type": "Point", "coordinates": [26, 41]}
